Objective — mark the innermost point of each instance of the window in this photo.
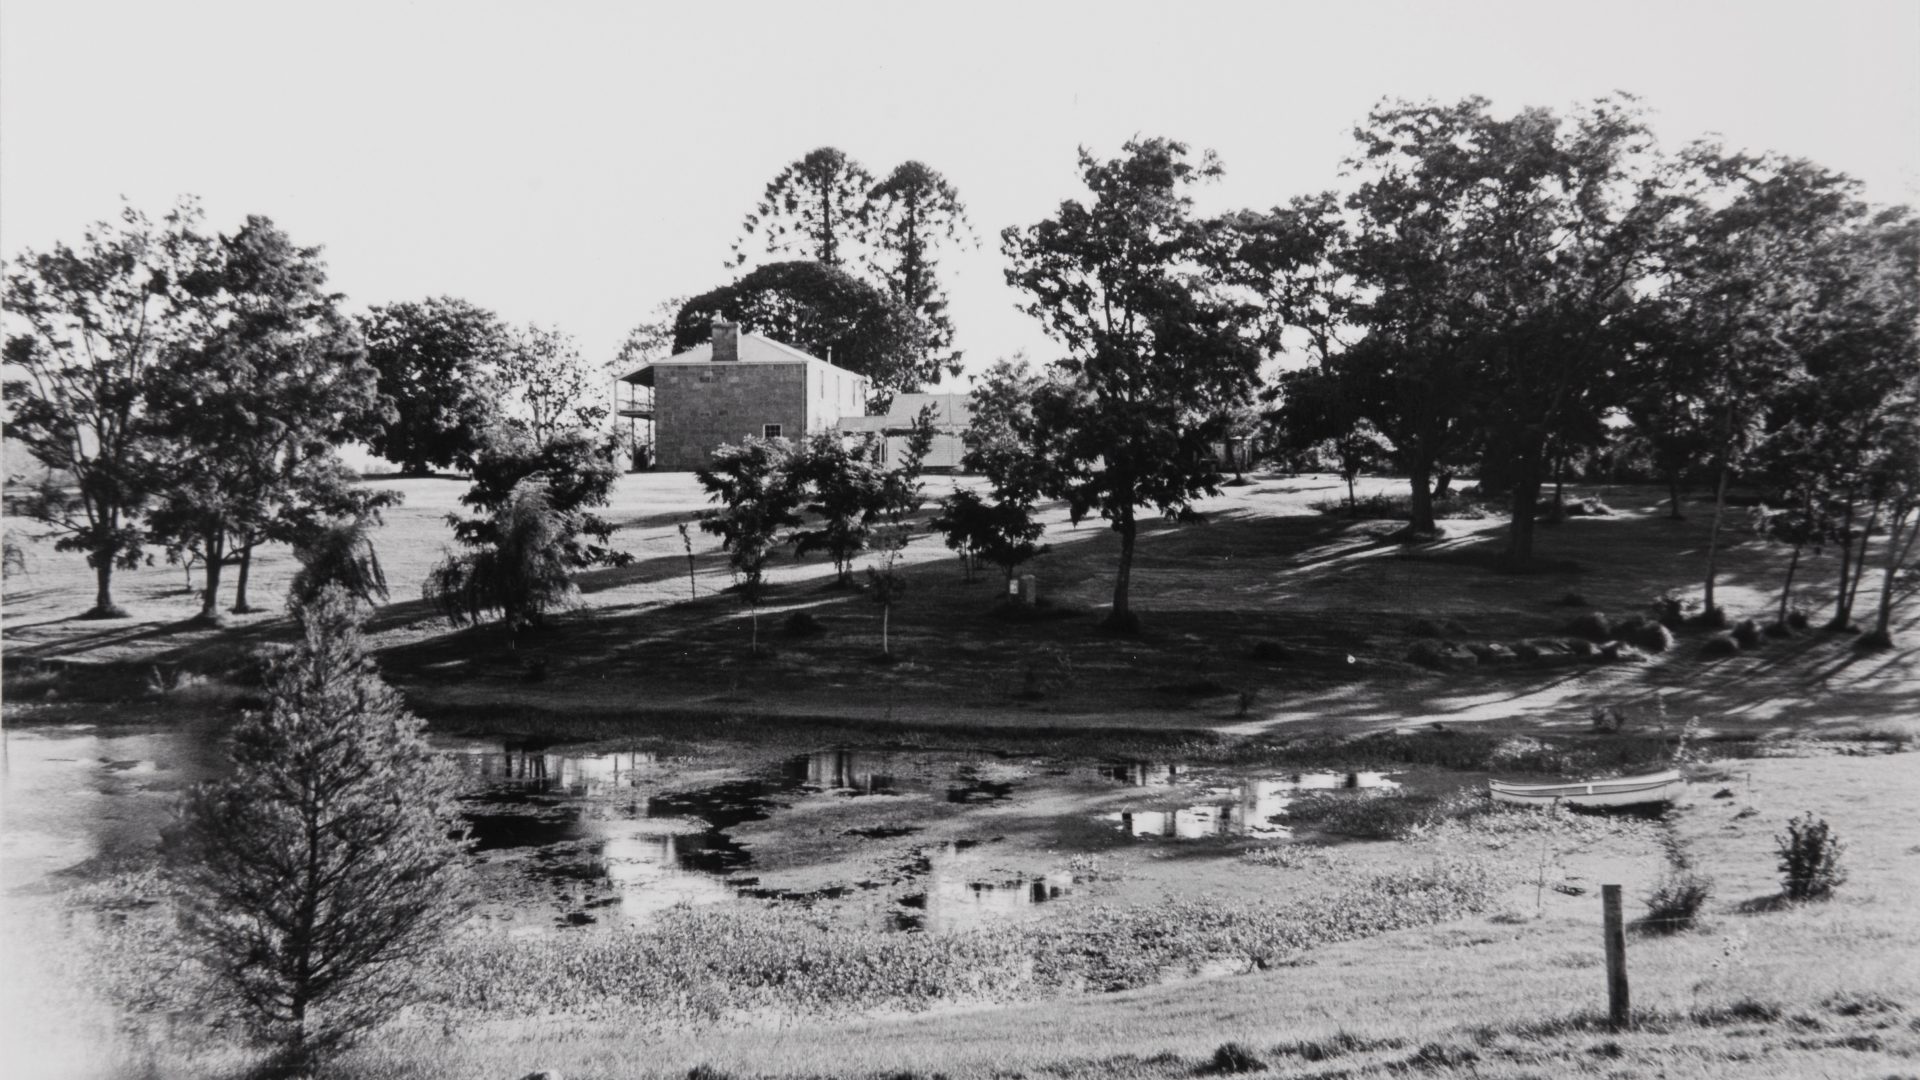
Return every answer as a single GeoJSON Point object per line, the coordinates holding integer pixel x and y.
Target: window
{"type": "Point", "coordinates": [771, 431]}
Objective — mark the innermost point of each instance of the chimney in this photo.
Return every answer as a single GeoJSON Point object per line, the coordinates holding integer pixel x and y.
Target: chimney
{"type": "Point", "coordinates": [726, 340]}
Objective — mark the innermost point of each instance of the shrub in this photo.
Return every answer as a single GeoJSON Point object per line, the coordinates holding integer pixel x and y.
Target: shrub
{"type": "Point", "coordinates": [1440, 655]}
{"type": "Point", "coordinates": [1592, 625]}
{"type": "Point", "coordinates": [1747, 633]}
{"type": "Point", "coordinates": [1797, 619]}
{"type": "Point", "coordinates": [1714, 618]}
{"type": "Point", "coordinates": [1528, 651]}
{"type": "Point", "coordinates": [1270, 651]}
{"type": "Point", "coordinates": [1588, 507]}
{"type": "Point", "coordinates": [1652, 637]}
{"type": "Point", "coordinates": [1720, 645]}
{"type": "Point", "coordinates": [802, 624]}
{"type": "Point", "coordinates": [1620, 652]}
{"type": "Point", "coordinates": [1577, 646]}
{"type": "Point", "coordinates": [1607, 718]}
{"type": "Point", "coordinates": [1809, 858]}
{"type": "Point", "coordinates": [1427, 628]}
{"type": "Point", "coordinates": [1675, 901]}
{"type": "Point", "coordinates": [1669, 612]}
{"type": "Point", "coordinates": [1573, 599]}
{"type": "Point", "coordinates": [1777, 629]}
{"type": "Point", "coordinates": [1491, 653]}
{"type": "Point", "coordinates": [1233, 1057]}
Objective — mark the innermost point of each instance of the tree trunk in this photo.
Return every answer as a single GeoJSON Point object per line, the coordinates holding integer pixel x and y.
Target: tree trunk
{"type": "Point", "coordinates": [1713, 538]}
{"type": "Point", "coordinates": [1842, 600]}
{"type": "Point", "coordinates": [1560, 487]}
{"type": "Point", "coordinates": [210, 596]}
{"type": "Point", "coordinates": [1121, 618]}
{"type": "Point", "coordinates": [240, 605]}
{"type": "Point", "coordinates": [1901, 533]}
{"type": "Point", "coordinates": [1860, 562]}
{"type": "Point", "coordinates": [1786, 589]}
{"type": "Point", "coordinates": [1353, 506]}
{"type": "Point", "coordinates": [103, 605]}
{"type": "Point", "coordinates": [1420, 507]}
{"type": "Point", "coordinates": [1673, 496]}
{"type": "Point", "coordinates": [886, 617]}
{"type": "Point", "coordinates": [1526, 506]}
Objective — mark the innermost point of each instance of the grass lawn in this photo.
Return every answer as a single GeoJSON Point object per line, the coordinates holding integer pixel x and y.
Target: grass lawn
{"type": "Point", "coordinates": [1270, 623]}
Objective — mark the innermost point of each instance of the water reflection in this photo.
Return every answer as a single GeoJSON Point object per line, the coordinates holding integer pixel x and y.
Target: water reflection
{"type": "Point", "coordinates": [1251, 808]}
{"type": "Point", "coordinates": [962, 894]}
{"type": "Point", "coordinates": [1140, 773]}
{"type": "Point", "coordinates": [846, 770]}
{"type": "Point", "coordinates": [75, 793]}
{"type": "Point", "coordinates": [868, 772]}
{"type": "Point", "coordinates": [534, 767]}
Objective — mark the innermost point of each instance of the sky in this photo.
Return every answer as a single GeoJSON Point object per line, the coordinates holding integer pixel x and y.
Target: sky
{"type": "Point", "coordinates": [575, 164]}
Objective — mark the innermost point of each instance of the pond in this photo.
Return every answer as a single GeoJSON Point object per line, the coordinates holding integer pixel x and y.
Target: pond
{"type": "Point", "coordinates": [567, 838]}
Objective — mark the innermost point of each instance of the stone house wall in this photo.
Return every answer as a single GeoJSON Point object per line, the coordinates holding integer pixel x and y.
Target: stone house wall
{"type": "Point", "coordinates": [697, 407]}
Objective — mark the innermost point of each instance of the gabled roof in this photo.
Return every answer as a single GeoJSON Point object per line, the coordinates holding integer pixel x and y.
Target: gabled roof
{"type": "Point", "coordinates": [950, 410]}
{"type": "Point", "coordinates": [754, 349]}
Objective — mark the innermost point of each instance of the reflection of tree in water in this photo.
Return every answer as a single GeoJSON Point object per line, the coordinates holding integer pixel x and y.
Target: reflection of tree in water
{"type": "Point", "coordinates": [579, 775]}
{"type": "Point", "coordinates": [1246, 809]}
{"type": "Point", "coordinates": [958, 898]}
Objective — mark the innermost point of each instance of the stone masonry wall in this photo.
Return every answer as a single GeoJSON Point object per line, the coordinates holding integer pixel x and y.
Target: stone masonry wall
{"type": "Point", "coordinates": [697, 407]}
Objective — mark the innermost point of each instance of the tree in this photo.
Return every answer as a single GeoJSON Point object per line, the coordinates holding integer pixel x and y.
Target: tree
{"type": "Point", "coordinates": [244, 420]}
{"type": "Point", "coordinates": [98, 320]}
{"type": "Point", "coordinates": [823, 311]}
{"type": "Point", "coordinates": [542, 370]}
{"type": "Point", "coordinates": [1317, 413]}
{"type": "Point", "coordinates": [759, 501]}
{"type": "Point", "coordinates": [1002, 408]}
{"type": "Point", "coordinates": [1740, 297]}
{"type": "Point", "coordinates": [913, 211]}
{"type": "Point", "coordinates": [315, 873]}
{"type": "Point", "coordinates": [652, 339]}
{"type": "Point", "coordinates": [816, 206]}
{"type": "Point", "coordinates": [847, 493]}
{"type": "Point", "coordinates": [518, 571]}
{"type": "Point", "coordinates": [1132, 286]}
{"type": "Point", "coordinates": [886, 583]}
{"type": "Point", "coordinates": [339, 554]}
{"type": "Point", "coordinates": [435, 358]}
{"type": "Point", "coordinates": [1003, 533]}
{"type": "Point", "coordinates": [575, 472]}
{"type": "Point", "coordinates": [1895, 484]}
{"type": "Point", "coordinates": [1495, 261]}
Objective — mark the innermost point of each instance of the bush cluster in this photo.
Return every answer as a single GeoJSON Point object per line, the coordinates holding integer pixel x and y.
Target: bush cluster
{"type": "Point", "coordinates": [1810, 858]}
{"type": "Point", "coordinates": [1675, 901]}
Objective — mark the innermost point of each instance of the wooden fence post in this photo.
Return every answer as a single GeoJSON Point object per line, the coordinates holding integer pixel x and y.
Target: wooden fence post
{"type": "Point", "coordinates": [1616, 935]}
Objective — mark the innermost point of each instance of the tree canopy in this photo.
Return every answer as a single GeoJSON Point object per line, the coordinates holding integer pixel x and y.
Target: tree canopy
{"type": "Point", "coordinates": [914, 211]}
{"type": "Point", "coordinates": [1132, 285]}
{"type": "Point", "coordinates": [823, 311]}
{"type": "Point", "coordinates": [435, 358]}
{"type": "Point", "coordinates": [98, 320]}
{"type": "Point", "coordinates": [244, 421]}
{"type": "Point", "coordinates": [816, 207]}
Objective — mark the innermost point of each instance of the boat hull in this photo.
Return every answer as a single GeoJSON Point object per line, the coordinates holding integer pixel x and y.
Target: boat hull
{"type": "Point", "coordinates": [1622, 791]}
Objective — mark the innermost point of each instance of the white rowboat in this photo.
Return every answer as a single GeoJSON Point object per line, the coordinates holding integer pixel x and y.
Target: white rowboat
{"type": "Point", "coordinates": [1621, 791]}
